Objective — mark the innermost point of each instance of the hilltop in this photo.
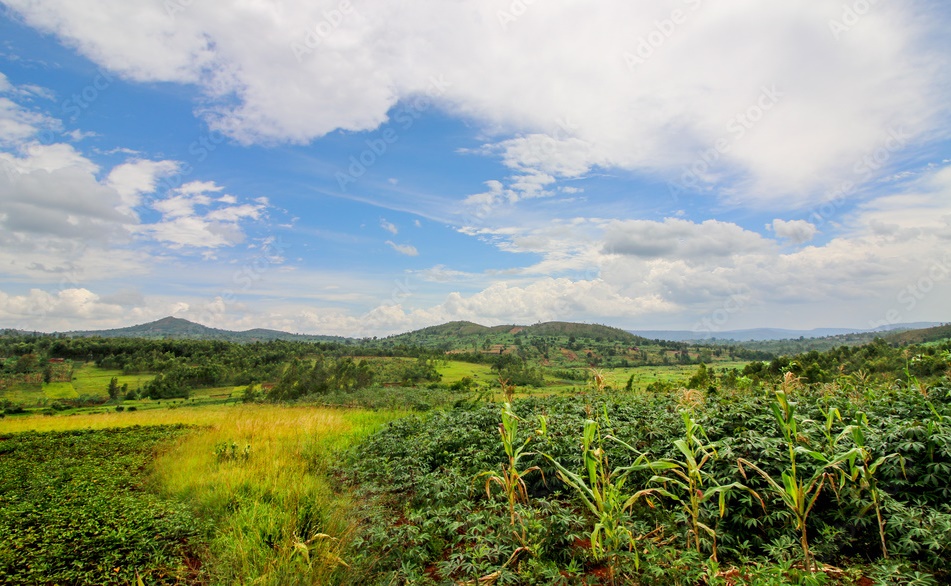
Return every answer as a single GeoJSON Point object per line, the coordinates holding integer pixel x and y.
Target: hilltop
{"type": "Point", "coordinates": [182, 329]}
{"type": "Point", "coordinates": [920, 336]}
{"type": "Point", "coordinates": [463, 334]}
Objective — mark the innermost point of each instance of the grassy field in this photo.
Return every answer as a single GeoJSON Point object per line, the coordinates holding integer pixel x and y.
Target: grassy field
{"type": "Point", "coordinates": [258, 475]}
{"type": "Point", "coordinates": [88, 380]}
{"type": "Point", "coordinates": [645, 375]}
{"type": "Point", "coordinates": [91, 380]}
{"type": "Point", "coordinates": [454, 371]}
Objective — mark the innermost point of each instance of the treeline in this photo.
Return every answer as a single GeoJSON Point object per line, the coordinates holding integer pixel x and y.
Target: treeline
{"type": "Point", "coordinates": [874, 363]}
{"type": "Point", "coordinates": [327, 374]}
{"type": "Point", "coordinates": [187, 364]}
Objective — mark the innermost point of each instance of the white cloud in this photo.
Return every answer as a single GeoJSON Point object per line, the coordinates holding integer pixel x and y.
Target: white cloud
{"type": "Point", "coordinates": [73, 303]}
{"type": "Point", "coordinates": [52, 190]}
{"type": "Point", "coordinates": [796, 231]}
{"type": "Point", "coordinates": [138, 177]}
{"type": "Point", "coordinates": [389, 227]}
{"type": "Point", "coordinates": [183, 225]}
{"type": "Point", "coordinates": [407, 249]}
{"type": "Point", "coordinates": [65, 220]}
{"type": "Point", "coordinates": [573, 105]}
{"type": "Point", "coordinates": [681, 239]}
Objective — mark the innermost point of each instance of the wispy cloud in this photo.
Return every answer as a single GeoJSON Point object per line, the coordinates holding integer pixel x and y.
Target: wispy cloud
{"type": "Point", "coordinates": [407, 249]}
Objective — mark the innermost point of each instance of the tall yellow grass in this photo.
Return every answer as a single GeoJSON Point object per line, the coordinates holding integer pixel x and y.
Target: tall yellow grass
{"type": "Point", "coordinates": [275, 517]}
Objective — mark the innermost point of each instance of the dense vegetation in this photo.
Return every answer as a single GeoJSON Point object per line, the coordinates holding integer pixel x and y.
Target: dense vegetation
{"type": "Point", "coordinates": [73, 509]}
{"type": "Point", "coordinates": [863, 457]}
{"type": "Point", "coordinates": [552, 454]}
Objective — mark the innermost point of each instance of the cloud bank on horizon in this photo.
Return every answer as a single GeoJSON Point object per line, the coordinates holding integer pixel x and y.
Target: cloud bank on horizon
{"type": "Point", "coordinates": [361, 167]}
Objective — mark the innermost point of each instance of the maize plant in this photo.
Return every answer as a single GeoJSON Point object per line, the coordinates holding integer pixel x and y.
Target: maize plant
{"type": "Point", "coordinates": [695, 485]}
{"type": "Point", "coordinates": [863, 471]}
{"type": "Point", "coordinates": [510, 478]}
{"type": "Point", "coordinates": [602, 490]}
{"type": "Point", "coordinates": [797, 491]}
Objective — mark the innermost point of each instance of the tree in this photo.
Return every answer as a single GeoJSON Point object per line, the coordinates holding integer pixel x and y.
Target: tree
{"type": "Point", "coordinates": [114, 388]}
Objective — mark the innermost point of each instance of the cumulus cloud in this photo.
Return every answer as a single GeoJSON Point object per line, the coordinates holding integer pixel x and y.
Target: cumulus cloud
{"type": "Point", "coordinates": [615, 97]}
{"type": "Point", "coordinates": [216, 225]}
{"type": "Point", "coordinates": [137, 177]}
{"type": "Point", "coordinates": [796, 231]}
{"type": "Point", "coordinates": [52, 190]}
{"type": "Point", "coordinates": [65, 220]}
{"type": "Point", "coordinates": [681, 239]}
{"type": "Point", "coordinates": [68, 303]}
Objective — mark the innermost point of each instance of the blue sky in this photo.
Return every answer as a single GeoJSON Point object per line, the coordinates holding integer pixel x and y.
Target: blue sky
{"type": "Point", "coordinates": [360, 168]}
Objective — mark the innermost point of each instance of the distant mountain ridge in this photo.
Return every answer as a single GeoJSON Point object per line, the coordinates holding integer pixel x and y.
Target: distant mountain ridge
{"type": "Point", "coordinates": [458, 331]}
{"type": "Point", "coordinates": [182, 329]}
{"type": "Point", "coordinates": [762, 334]}
{"type": "Point", "coordinates": [463, 330]}
{"type": "Point", "coordinates": [178, 328]}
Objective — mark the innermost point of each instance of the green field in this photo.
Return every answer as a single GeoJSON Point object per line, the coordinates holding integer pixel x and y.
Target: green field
{"type": "Point", "coordinates": [59, 391]}
{"type": "Point", "coordinates": [347, 466]}
{"type": "Point", "coordinates": [91, 380]}
{"type": "Point", "coordinates": [454, 371]}
{"type": "Point", "coordinates": [645, 375]}
{"type": "Point", "coordinates": [88, 381]}
{"type": "Point", "coordinates": [103, 507]}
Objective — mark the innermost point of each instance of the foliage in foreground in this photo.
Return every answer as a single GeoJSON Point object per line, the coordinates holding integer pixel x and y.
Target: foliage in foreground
{"type": "Point", "coordinates": [433, 523]}
{"type": "Point", "coordinates": [73, 509]}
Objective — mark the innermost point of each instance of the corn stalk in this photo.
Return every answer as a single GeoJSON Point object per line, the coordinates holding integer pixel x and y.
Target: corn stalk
{"type": "Point", "coordinates": [695, 485]}
{"type": "Point", "coordinates": [510, 477]}
{"type": "Point", "coordinates": [797, 491]}
{"type": "Point", "coordinates": [602, 490]}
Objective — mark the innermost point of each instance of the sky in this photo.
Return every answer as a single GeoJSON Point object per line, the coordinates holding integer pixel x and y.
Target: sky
{"type": "Point", "coordinates": [367, 167]}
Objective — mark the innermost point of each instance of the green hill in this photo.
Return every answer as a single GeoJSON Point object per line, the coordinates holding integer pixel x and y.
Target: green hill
{"type": "Point", "coordinates": [465, 335]}
{"type": "Point", "coordinates": [182, 329]}
{"type": "Point", "coordinates": [921, 336]}
{"type": "Point", "coordinates": [592, 331]}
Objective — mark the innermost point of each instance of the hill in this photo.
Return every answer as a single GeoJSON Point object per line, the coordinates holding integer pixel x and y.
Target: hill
{"type": "Point", "coordinates": [774, 334]}
{"type": "Point", "coordinates": [459, 335]}
{"type": "Point", "coordinates": [182, 329]}
{"type": "Point", "coordinates": [921, 336]}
